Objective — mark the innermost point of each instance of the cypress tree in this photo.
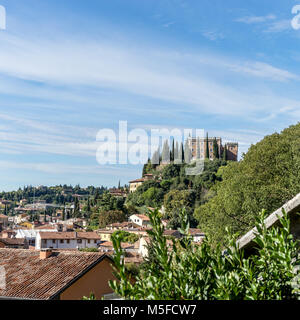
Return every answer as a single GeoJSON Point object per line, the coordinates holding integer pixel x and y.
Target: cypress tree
{"type": "Point", "coordinates": [177, 158]}
{"type": "Point", "coordinates": [182, 152]}
{"type": "Point", "coordinates": [187, 153]}
{"type": "Point", "coordinates": [207, 147]}
{"type": "Point", "coordinates": [68, 215]}
{"type": "Point", "coordinates": [88, 208]}
{"type": "Point", "coordinates": [166, 152]}
{"type": "Point", "coordinates": [216, 149]}
{"type": "Point", "coordinates": [76, 208]}
{"type": "Point", "coordinates": [173, 151]}
{"type": "Point", "coordinates": [155, 158]}
{"type": "Point", "coordinates": [225, 152]}
{"type": "Point", "coordinates": [64, 213]}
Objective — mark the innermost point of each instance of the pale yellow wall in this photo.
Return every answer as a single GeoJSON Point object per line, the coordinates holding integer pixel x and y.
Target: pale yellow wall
{"type": "Point", "coordinates": [95, 281]}
{"type": "Point", "coordinates": [134, 186]}
{"type": "Point", "coordinates": [105, 236]}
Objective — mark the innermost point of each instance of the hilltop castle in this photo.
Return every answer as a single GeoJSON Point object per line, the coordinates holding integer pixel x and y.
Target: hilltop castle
{"type": "Point", "coordinates": [231, 148]}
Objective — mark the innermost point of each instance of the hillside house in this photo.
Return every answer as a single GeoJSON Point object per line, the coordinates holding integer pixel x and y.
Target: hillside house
{"type": "Point", "coordinates": [134, 184]}
{"type": "Point", "coordinates": [105, 234]}
{"type": "Point", "coordinates": [31, 235]}
{"type": "Point", "coordinates": [67, 240]}
{"type": "Point", "coordinates": [140, 220]}
{"type": "Point", "coordinates": [196, 234]}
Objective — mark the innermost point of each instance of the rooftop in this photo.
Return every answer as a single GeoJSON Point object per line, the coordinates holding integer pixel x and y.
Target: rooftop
{"type": "Point", "coordinates": [69, 235]}
{"type": "Point", "coordinates": [137, 180]}
{"type": "Point", "coordinates": [29, 277]}
{"type": "Point", "coordinates": [12, 241]}
{"type": "Point", "coordinates": [143, 217]}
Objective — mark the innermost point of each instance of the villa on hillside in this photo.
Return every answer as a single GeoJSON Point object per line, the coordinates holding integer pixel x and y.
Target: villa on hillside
{"type": "Point", "coordinates": [133, 185]}
{"type": "Point", "coordinates": [140, 220]}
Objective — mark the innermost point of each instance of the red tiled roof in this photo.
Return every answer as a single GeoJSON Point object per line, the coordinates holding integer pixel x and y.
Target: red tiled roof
{"type": "Point", "coordinates": [13, 241]}
{"type": "Point", "coordinates": [195, 232]}
{"type": "Point", "coordinates": [143, 217]}
{"type": "Point", "coordinates": [137, 180]}
{"type": "Point", "coordinates": [28, 277]}
{"type": "Point", "coordinates": [69, 235]}
{"type": "Point", "coordinates": [106, 244]}
{"type": "Point", "coordinates": [174, 233]}
{"type": "Point", "coordinates": [45, 227]}
{"type": "Point", "coordinates": [124, 245]}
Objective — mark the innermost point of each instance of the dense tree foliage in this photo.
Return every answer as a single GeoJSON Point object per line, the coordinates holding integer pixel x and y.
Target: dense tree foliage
{"type": "Point", "coordinates": [108, 209]}
{"type": "Point", "coordinates": [172, 177]}
{"type": "Point", "coordinates": [126, 236]}
{"type": "Point", "coordinates": [174, 202]}
{"type": "Point", "coordinates": [266, 177]}
{"type": "Point", "coordinates": [112, 216]}
{"type": "Point", "coordinates": [190, 272]}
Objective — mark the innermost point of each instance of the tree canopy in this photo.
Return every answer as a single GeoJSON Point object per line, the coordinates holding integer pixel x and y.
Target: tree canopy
{"type": "Point", "coordinates": [266, 177]}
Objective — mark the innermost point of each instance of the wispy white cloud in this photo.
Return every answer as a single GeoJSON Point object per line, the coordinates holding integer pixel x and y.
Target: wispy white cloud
{"type": "Point", "coordinates": [279, 26]}
{"type": "Point", "coordinates": [213, 35]}
{"type": "Point", "coordinates": [256, 19]}
{"type": "Point", "coordinates": [168, 24]}
{"type": "Point", "coordinates": [151, 73]}
{"type": "Point", "coordinates": [269, 23]}
{"type": "Point", "coordinates": [263, 70]}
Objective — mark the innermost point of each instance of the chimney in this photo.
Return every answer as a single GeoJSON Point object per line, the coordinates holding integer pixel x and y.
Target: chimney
{"type": "Point", "coordinates": [45, 254]}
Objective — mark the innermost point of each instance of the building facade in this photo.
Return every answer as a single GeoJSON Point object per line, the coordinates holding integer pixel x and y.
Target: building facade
{"type": "Point", "coordinates": [140, 220]}
{"type": "Point", "coordinates": [231, 148]}
{"type": "Point", "coordinates": [67, 240]}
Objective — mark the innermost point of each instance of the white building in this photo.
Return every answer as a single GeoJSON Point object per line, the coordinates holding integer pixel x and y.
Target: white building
{"type": "Point", "coordinates": [197, 235]}
{"type": "Point", "coordinates": [140, 219]}
{"type": "Point", "coordinates": [30, 234]}
{"type": "Point", "coordinates": [67, 240]}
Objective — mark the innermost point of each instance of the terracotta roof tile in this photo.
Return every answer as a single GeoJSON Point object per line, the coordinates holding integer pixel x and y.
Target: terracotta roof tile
{"type": "Point", "coordinates": [69, 235]}
{"type": "Point", "coordinates": [12, 241]}
{"type": "Point", "coordinates": [29, 277]}
{"type": "Point", "coordinates": [143, 217]}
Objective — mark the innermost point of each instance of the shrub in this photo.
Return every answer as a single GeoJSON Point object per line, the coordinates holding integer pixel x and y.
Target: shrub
{"type": "Point", "coordinates": [205, 272]}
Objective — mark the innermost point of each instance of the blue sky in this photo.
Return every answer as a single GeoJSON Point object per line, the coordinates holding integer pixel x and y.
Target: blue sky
{"type": "Point", "coordinates": [69, 68]}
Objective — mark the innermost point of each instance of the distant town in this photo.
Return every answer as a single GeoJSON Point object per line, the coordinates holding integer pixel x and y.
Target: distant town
{"type": "Point", "coordinates": [43, 226]}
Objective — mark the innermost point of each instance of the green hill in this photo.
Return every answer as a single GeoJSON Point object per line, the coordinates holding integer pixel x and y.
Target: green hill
{"type": "Point", "coordinates": [266, 177]}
